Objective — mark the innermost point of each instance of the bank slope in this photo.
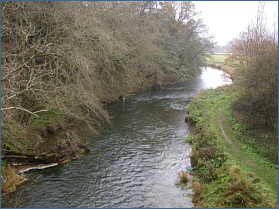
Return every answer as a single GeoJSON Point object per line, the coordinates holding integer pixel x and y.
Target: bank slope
{"type": "Point", "coordinates": [230, 167]}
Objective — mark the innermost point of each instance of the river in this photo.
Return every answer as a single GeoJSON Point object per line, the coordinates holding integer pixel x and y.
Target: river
{"type": "Point", "coordinates": [133, 163]}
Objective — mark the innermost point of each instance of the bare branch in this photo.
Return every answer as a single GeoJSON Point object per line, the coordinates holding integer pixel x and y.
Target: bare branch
{"type": "Point", "coordinates": [41, 111]}
{"type": "Point", "coordinates": [19, 108]}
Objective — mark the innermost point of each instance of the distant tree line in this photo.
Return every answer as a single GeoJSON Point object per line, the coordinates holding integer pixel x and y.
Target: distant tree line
{"type": "Point", "coordinates": [61, 61]}
{"type": "Point", "coordinates": [222, 49]}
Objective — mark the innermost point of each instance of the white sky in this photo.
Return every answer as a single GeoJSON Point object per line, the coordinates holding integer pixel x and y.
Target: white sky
{"type": "Point", "coordinates": [226, 19]}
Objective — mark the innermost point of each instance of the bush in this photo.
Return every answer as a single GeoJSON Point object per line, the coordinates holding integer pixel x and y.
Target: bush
{"type": "Point", "coordinates": [255, 60]}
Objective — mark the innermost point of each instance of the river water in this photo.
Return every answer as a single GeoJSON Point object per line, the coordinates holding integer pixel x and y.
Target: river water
{"type": "Point", "coordinates": [133, 163]}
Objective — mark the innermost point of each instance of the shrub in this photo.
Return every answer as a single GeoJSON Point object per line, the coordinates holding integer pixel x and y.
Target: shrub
{"type": "Point", "coordinates": [183, 177]}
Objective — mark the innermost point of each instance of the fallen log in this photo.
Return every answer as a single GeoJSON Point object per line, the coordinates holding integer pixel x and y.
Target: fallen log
{"type": "Point", "coordinates": [36, 167]}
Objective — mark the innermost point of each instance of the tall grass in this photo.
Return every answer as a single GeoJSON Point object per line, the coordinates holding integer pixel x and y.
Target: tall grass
{"type": "Point", "coordinates": [9, 179]}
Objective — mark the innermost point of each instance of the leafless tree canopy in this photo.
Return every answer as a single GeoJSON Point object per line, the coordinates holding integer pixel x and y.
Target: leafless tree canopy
{"type": "Point", "coordinates": [60, 61]}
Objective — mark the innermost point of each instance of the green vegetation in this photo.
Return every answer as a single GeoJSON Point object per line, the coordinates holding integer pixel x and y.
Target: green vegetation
{"type": "Point", "coordinates": [225, 174]}
{"type": "Point", "coordinates": [217, 59]}
{"type": "Point", "coordinates": [235, 139]}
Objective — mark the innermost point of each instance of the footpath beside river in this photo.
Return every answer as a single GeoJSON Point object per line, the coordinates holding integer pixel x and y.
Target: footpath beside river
{"type": "Point", "coordinates": [228, 169]}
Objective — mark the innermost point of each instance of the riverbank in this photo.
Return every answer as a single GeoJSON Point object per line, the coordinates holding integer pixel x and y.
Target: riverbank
{"type": "Point", "coordinates": [55, 138]}
{"type": "Point", "coordinates": [231, 168]}
{"type": "Point", "coordinates": [14, 165]}
{"type": "Point", "coordinates": [134, 152]}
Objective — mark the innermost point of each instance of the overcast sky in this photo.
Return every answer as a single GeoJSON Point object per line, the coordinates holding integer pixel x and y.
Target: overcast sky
{"type": "Point", "coordinates": [226, 19]}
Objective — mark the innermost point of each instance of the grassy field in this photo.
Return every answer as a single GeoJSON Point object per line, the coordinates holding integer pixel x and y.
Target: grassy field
{"type": "Point", "coordinates": [217, 58]}
{"type": "Point", "coordinates": [231, 169]}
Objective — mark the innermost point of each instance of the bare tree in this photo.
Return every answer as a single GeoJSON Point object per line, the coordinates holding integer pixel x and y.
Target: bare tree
{"type": "Point", "coordinates": [255, 58]}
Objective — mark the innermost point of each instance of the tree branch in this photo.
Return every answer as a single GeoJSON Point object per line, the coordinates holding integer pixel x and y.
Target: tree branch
{"type": "Point", "coordinates": [20, 108]}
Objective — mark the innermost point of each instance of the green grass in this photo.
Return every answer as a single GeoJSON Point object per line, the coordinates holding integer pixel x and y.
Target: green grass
{"type": "Point", "coordinates": [217, 58]}
{"type": "Point", "coordinates": [243, 152]}
{"type": "Point", "coordinates": [215, 160]}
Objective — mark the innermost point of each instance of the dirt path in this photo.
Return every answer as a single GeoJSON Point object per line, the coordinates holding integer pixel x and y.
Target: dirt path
{"type": "Point", "coordinates": [235, 148]}
{"type": "Point", "coordinates": [223, 132]}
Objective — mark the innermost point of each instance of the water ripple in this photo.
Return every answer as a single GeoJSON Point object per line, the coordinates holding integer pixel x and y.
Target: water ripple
{"type": "Point", "coordinates": [133, 163]}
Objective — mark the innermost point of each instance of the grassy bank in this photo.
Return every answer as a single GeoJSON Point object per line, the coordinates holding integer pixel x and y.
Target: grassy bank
{"type": "Point", "coordinates": [235, 165]}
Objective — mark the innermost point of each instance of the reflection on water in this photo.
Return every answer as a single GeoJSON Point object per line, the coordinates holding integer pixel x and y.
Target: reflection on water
{"type": "Point", "coordinates": [214, 78]}
{"type": "Point", "coordinates": [133, 163]}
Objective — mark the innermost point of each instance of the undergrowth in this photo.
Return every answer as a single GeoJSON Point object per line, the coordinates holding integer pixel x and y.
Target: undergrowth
{"type": "Point", "coordinates": [266, 155]}
{"type": "Point", "coordinates": [9, 178]}
{"type": "Point", "coordinates": [218, 179]}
